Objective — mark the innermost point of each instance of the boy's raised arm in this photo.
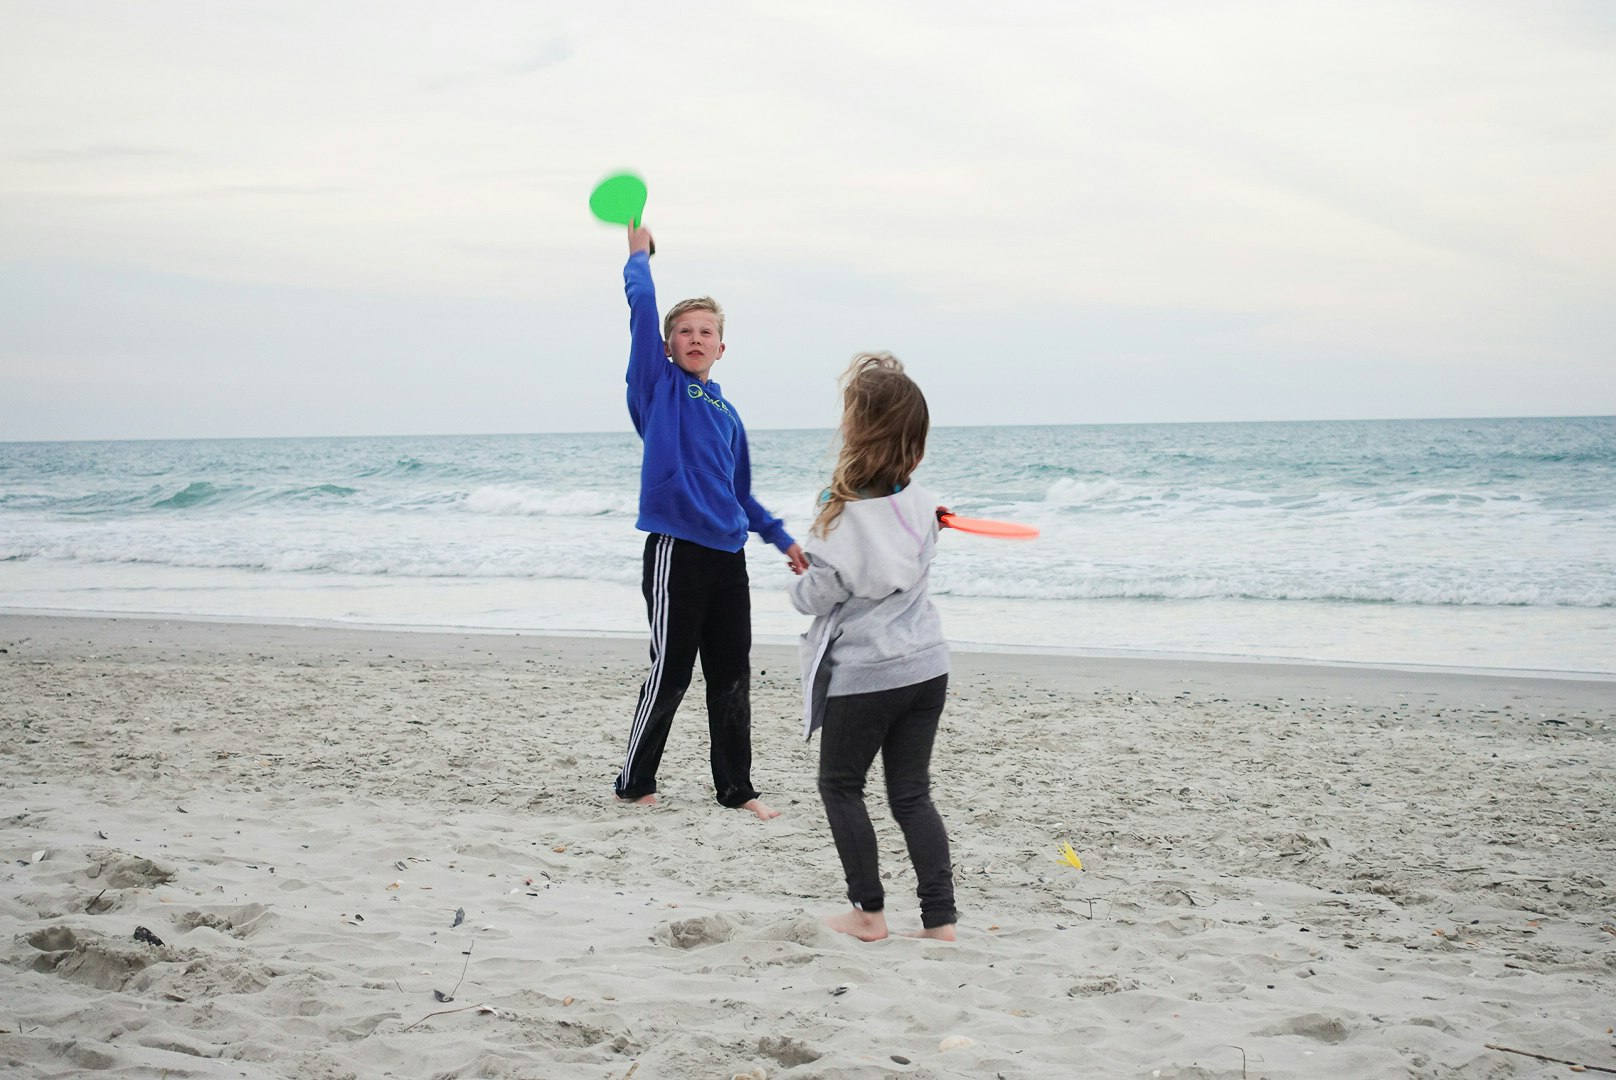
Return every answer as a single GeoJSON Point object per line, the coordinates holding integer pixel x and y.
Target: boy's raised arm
{"type": "Point", "coordinates": [639, 239]}
{"type": "Point", "coordinates": [646, 360]}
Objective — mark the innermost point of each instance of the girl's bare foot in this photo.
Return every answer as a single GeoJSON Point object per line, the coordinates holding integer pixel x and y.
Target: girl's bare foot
{"type": "Point", "coordinates": [864, 925]}
{"type": "Point", "coordinates": [643, 800]}
{"type": "Point", "coordinates": [761, 809]}
{"type": "Point", "coordinates": [936, 933]}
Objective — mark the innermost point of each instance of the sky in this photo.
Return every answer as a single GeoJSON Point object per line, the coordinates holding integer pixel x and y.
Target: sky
{"type": "Point", "coordinates": [344, 218]}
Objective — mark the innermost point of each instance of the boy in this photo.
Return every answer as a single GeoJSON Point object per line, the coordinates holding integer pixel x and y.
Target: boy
{"type": "Point", "coordinates": [696, 505]}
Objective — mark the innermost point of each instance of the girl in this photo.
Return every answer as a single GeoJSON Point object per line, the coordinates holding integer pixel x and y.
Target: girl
{"type": "Point", "coordinates": [875, 667]}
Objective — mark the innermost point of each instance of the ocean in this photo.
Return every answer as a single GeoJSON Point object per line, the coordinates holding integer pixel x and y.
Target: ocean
{"type": "Point", "coordinates": [1477, 544]}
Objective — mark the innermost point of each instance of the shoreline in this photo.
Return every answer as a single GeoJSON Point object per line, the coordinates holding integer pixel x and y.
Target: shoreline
{"type": "Point", "coordinates": [766, 641]}
{"type": "Point", "coordinates": [1322, 872]}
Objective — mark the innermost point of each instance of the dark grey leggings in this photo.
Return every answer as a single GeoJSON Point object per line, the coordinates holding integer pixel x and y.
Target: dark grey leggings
{"type": "Point", "coordinates": [901, 725]}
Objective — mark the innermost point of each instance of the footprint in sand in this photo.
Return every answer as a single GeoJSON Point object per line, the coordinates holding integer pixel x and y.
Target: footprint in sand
{"type": "Point", "coordinates": [52, 939]}
{"type": "Point", "coordinates": [120, 870]}
{"type": "Point", "coordinates": [1317, 1026]}
{"type": "Point", "coordinates": [696, 933]}
{"type": "Point", "coordinates": [239, 922]}
{"type": "Point", "coordinates": [88, 958]}
{"type": "Point", "coordinates": [788, 1052]}
{"type": "Point", "coordinates": [1099, 985]}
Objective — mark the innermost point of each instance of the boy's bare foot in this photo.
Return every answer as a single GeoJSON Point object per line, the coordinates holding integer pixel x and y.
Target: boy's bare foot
{"type": "Point", "coordinates": [643, 800]}
{"type": "Point", "coordinates": [935, 933]}
{"type": "Point", "coordinates": [760, 808]}
{"type": "Point", "coordinates": [864, 925]}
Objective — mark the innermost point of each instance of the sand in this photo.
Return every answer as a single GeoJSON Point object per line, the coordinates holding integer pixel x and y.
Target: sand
{"type": "Point", "coordinates": [1289, 871]}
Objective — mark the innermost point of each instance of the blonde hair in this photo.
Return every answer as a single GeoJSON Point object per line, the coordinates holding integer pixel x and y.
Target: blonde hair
{"type": "Point", "coordinates": [884, 427]}
{"type": "Point", "coordinates": [698, 303]}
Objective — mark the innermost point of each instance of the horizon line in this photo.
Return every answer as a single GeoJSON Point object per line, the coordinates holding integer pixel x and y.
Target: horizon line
{"type": "Point", "coordinates": [750, 429]}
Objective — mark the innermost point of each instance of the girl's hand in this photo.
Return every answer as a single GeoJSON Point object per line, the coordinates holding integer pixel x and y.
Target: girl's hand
{"type": "Point", "coordinates": [796, 559]}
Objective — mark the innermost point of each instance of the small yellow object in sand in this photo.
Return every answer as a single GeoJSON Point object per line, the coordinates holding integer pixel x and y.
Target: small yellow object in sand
{"type": "Point", "coordinates": [396, 885]}
{"type": "Point", "coordinates": [1070, 856]}
{"type": "Point", "coordinates": [955, 1042]}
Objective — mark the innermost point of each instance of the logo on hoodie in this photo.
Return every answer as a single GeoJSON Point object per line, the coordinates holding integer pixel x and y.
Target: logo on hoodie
{"type": "Point", "coordinates": [697, 391]}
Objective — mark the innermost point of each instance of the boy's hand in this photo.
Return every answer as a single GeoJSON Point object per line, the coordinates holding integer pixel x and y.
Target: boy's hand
{"type": "Point", "coordinates": [796, 559]}
{"type": "Point", "coordinates": [639, 239]}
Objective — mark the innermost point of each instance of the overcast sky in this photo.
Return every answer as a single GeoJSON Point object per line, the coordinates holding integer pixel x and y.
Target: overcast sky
{"type": "Point", "coordinates": [325, 217]}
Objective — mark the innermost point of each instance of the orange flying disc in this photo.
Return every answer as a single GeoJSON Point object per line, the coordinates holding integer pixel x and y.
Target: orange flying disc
{"type": "Point", "coordinates": [1005, 530]}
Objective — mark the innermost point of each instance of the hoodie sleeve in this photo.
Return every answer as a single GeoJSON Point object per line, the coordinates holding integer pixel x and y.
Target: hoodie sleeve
{"type": "Point", "coordinates": [819, 589]}
{"type": "Point", "coordinates": [647, 363]}
{"type": "Point", "coordinates": [758, 520]}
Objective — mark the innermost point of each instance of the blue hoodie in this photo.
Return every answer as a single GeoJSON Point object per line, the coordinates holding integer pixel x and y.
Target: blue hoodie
{"type": "Point", "coordinates": [696, 475]}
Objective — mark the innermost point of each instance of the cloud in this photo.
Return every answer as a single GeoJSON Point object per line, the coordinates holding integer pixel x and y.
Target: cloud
{"type": "Point", "coordinates": [96, 155]}
{"type": "Point", "coordinates": [547, 55]}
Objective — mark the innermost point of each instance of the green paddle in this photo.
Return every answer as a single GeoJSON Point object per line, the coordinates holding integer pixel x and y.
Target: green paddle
{"type": "Point", "coordinates": [620, 200]}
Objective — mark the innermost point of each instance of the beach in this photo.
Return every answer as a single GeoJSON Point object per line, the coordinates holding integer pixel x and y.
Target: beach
{"type": "Point", "coordinates": [236, 850]}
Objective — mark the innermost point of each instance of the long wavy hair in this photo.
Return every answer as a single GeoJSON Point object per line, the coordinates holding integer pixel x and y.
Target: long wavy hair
{"type": "Point", "coordinates": [884, 426]}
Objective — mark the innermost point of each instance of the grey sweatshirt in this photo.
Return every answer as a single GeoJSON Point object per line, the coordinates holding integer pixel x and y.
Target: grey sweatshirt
{"type": "Point", "coordinates": [875, 627]}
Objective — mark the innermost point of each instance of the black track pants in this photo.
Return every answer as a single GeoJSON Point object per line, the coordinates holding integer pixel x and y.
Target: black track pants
{"type": "Point", "coordinates": [900, 725]}
{"type": "Point", "coordinates": [699, 602]}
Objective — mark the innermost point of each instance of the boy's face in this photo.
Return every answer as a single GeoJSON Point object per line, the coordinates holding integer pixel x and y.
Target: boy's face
{"type": "Point", "coordinates": [694, 343]}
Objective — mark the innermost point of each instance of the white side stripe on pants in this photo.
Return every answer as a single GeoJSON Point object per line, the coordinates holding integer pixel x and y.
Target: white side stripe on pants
{"type": "Point", "coordinates": [661, 565]}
